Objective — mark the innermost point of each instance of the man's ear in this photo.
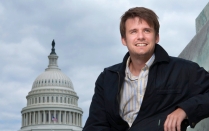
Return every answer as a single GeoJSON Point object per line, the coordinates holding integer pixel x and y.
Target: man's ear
{"type": "Point", "coordinates": [157, 38]}
{"type": "Point", "coordinates": [123, 40]}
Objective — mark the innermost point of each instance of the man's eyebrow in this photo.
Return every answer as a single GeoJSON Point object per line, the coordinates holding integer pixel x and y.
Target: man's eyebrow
{"type": "Point", "coordinates": [134, 29]}
{"type": "Point", "coordinates": [148, 28]}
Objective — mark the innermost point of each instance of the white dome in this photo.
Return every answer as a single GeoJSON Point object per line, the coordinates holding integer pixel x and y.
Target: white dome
{"type": "Point", "coordinates": [52, 102]}
{"type": "Point", "coordinates": [52, 77]}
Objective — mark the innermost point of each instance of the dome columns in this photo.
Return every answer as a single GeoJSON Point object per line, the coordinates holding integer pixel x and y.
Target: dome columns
{"type": "Point", "coordinates": [45, 118]}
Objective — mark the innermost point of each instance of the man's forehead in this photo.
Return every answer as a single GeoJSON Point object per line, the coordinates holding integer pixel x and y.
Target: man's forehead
{"type": "Point", "coordinates": [139, 20]}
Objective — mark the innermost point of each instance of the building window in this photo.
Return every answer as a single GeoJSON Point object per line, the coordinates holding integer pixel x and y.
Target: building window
{"type": "Point", "coordinates": [56, 99]}
{"type": "Point", "coordinates": [60, 99]}
{"type": "Point", "coordinates": [36, 100]}
{"type": "Point", "coordinates": [43, 99]}
{"type": "Point", "coordinates": [47, 99]}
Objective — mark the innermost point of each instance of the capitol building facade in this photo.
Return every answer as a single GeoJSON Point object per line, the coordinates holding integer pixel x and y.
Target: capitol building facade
{"type": "Point", "coordinates": [52, 104]}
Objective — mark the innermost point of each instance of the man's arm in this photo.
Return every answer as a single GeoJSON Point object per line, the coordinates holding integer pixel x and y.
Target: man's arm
{"type": "Point", "coordinates": [97, 120]}
{"type": "Point", "coordinates": [196, 107]}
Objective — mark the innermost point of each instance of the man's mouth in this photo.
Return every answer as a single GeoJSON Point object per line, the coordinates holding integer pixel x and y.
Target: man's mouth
{"type": "Point", "coordinates": [141, 44]}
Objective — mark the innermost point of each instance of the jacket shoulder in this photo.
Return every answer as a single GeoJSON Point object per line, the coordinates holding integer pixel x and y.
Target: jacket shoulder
{"type": "Point", "coordinates": [182, 61]}
{"type": "Point", "coordinates": [186, 65]}
{"type": "Point", "coordinates": [115, 67]}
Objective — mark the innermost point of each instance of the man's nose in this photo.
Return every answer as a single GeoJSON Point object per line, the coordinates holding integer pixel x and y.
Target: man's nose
{"type": "Point", "coordinates": [140, 35]}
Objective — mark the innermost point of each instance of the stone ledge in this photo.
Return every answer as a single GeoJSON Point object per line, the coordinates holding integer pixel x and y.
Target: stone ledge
{"type": "Point", "coordinates": [202, 18]}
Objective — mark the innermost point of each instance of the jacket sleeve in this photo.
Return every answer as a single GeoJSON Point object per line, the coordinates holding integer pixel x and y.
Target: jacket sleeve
{"type": "Point", "coordinates": [97, 120]}
{"type": "Point", "coordinates": [197, 106]}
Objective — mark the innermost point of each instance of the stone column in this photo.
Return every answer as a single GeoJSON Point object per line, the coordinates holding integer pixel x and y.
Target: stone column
{"type": "Point", "coordinates": [25, 119]}
{"type": "Point", "coordinates": [39, 117]}
{"type": "Point", "coordinates": [29, 119]}
{"type": "Point", "coordinates": [73, 118]}
{"type": "Point", "coordinates": [77, 119]}
{"type": "Point", "coordinates": [55, 115]}
{"type": "Point", "coordinates": [44, 115]}
{"type": "Point", "coordinates": [26, 123]}
{"type": "Point", "coordinates": [59, 116]}
{"type": "Point", "coordinates": [80, 120]}
{"type": "Point", "coordinates": [69, 120]}
{"type": "Point", "coordinates": [64, 118]}
{"type": "Point", "coordinates": [34, 116]}
{"type": "Point", "coordinates": [22, 120]}
{"type": "Point", "coordinates": [49, 117]}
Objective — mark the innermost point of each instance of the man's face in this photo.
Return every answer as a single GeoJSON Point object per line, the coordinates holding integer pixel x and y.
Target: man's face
{"type": "Point", "coordinates": [140, 38]}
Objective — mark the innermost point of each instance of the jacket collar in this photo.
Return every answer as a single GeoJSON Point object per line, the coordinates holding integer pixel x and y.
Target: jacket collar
{"type": "Point", "coordinates": [160, 56]}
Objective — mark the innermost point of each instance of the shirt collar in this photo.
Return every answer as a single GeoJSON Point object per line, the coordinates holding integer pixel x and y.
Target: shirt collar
{"type": "Point", "coordinates": [147, 66]}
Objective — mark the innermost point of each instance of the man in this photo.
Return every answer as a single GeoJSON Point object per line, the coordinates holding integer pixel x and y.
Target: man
{"type": "Point", "coordinates": [149, 90]}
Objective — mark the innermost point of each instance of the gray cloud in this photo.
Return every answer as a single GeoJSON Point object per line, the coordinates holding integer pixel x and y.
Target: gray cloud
{"type": "Point", "coordinates": [87, 40]}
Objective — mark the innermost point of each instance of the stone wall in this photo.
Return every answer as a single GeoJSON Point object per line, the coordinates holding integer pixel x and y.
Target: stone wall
{"type": "Point", "coordinates": [198, 51]}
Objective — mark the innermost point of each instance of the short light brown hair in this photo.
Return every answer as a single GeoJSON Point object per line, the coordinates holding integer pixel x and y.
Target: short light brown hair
{"type": "Point", "coordinates": [143, 13]}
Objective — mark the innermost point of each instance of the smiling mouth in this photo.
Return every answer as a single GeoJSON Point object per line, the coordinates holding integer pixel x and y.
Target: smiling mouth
{"type": "Point", "coordinates": [141, 44]}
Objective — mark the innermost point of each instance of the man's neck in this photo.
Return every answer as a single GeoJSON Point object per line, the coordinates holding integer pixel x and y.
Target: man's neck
{"type": "Point", "coordinates": [137, 63]}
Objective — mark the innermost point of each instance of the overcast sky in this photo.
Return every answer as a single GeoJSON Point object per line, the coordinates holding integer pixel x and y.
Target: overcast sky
{"type": "Point", "coordinates": [86, 33]}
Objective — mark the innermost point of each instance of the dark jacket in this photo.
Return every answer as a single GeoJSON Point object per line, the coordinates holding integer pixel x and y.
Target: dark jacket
{"type": "Point", "coordinates": [172, 83]}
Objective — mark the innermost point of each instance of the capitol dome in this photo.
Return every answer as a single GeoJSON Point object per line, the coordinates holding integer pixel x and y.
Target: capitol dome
{"type": "Point", "coordinates": [52, 78]}
{"type": "Point", "coordinates": [52, 103]}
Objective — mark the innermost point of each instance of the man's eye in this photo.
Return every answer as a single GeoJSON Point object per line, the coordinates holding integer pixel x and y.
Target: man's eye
{"type": "Point", "coordinates": [133, 31]}
{"type": "Point", "coordinates": [146, 30]}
